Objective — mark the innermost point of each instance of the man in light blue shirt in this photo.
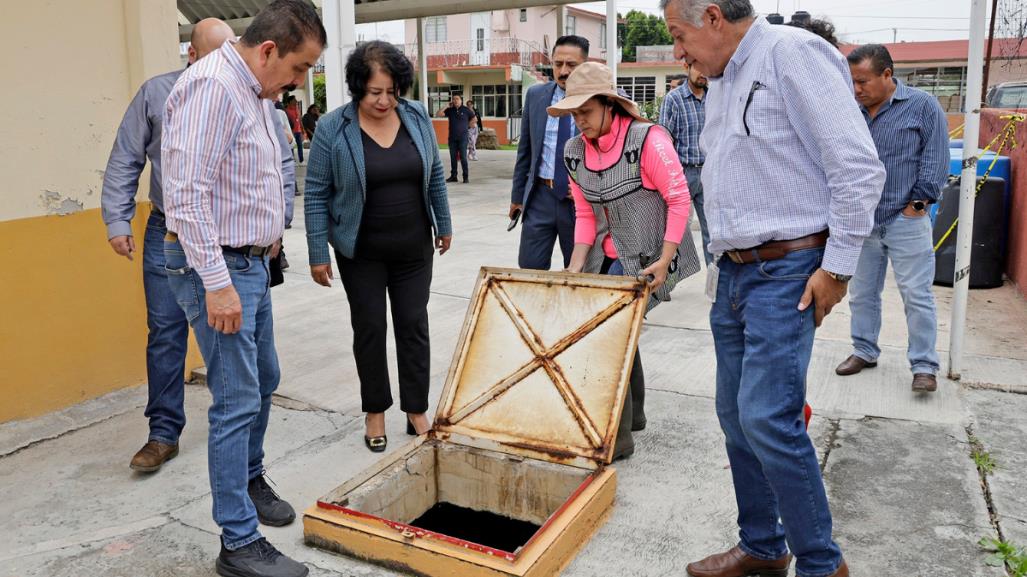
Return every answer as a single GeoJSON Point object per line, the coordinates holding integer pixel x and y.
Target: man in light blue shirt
{"type": "Point", "coordinates": [139, 140]}
{"type": "Point", "coordinates": [791, 180]}
{"type": "Point", "coordinates": [911, 134]}
{"type": "Point", "coordinates": [540, 184]}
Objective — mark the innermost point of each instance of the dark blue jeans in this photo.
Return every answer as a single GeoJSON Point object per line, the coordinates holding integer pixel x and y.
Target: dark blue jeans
{"type": "Point", "coordinates": [167, 342]}
{"type": "Point", "coordinates": [458, 152]}
{"type": "Point", "coordinates": [763, 346]}
{"type": "Point", "coordinates": [242, 373]}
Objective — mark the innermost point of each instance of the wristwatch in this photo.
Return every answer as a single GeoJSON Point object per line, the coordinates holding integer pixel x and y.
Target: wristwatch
{"type": "Point", "coordinates": [919, 205]}
{"type": "Point", "coordinates": [839, 277]}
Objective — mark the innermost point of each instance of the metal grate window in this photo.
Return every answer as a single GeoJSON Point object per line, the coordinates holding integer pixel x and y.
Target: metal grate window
{"type": "Point", "coordinates": [435, 29]}
{"type": "Point", "coordinates": [497, 100]}
{"type": "Point", "coordinates": [639, 88]}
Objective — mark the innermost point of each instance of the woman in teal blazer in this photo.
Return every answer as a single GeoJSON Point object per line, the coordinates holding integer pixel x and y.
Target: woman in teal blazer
{"type": "Point", "coordinates": [376, 192]}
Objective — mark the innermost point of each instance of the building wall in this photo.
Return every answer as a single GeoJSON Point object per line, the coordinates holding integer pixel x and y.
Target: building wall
{"type": "Point", "coordinates": [75, 324]}
{"type": "Point", "coordinates": [1016, 262]}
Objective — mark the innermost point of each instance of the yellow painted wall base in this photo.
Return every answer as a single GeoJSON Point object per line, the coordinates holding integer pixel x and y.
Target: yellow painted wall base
{"type": "Point", "coordinates": [74, 321]}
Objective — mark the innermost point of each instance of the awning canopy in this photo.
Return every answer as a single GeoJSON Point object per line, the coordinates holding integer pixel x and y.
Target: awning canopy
{"type": "Point", "coordinates": [239, 13]}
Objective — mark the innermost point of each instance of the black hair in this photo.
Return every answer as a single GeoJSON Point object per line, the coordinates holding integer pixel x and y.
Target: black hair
{"type": "Point", "coordinates": [877, 54]}
{"type": "Point", "coordinates": [377, 54]}
{"type": "Point", "coordinates": [571, 40]}
{"type": "Point", "coordinates": [287, 23]}
{"type": "Point", "coordinates": [312, 107]}
{"type": "Point", "coordinates": [821, 28]}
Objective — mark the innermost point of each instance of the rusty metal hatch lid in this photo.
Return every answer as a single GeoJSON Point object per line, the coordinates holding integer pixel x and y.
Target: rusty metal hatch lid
{"type": "Point", "coordinates": [542, 365]}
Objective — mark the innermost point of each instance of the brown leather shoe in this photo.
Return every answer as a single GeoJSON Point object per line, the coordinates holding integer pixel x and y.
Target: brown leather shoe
{"type": "Point", "coordinates": [153, 454]}
{"type": "Point", "coordinates": [853, 365]}
{"type": "Point", "coordinates": [924, 383]}
{"type": "Point", "coordinates": [843, 570]}
{"type": "Point", "coordinates": [736, 563]}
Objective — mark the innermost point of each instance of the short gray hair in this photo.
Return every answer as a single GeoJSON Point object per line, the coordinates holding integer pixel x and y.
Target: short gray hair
{"type": "Point", "coordinates": [692, 10]}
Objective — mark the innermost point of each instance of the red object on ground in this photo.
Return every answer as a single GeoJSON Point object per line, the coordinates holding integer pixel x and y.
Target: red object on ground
{"type": "Point", "coordinates": [808, 413]}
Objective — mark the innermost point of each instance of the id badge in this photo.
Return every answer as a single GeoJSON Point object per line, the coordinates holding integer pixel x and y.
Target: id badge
{"type": "Point", "coordinates": [712, 280]}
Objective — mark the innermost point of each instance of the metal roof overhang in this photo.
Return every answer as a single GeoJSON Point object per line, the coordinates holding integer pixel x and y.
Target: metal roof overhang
{"type": "Point", "coordinates": [239, 13]}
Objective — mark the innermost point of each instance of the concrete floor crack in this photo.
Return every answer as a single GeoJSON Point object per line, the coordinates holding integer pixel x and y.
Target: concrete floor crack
{"type": "Point", "coordinates": [993, 514]}
{"type": "Point", "coordinates": [832, 438]}
{"type": "Point", "coordinates": [82, 427]}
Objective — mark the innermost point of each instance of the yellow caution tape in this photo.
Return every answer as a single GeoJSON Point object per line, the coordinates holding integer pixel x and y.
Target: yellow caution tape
{"type": "Point", "coordinates": [1007, 135]}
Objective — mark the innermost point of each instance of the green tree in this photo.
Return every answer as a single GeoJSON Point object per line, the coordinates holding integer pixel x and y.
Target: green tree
{"type": "Point", "coordinates": [641, 29]}
{"type": "Point", "coordinates": [319, 93]}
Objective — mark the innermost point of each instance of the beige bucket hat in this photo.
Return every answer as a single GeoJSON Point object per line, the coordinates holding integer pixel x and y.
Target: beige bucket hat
{"type": "Point", "coordinates": [588, 80]}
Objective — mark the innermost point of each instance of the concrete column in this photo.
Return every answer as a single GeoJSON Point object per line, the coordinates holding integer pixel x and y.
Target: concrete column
{"type": "Point", "coordinates": [151, 36]}
{"type": "Point", "coordinates": [340, 23]}
{"type": "Point", "coordinates": [561, 23]}
{"type": "Point", "coordinates": [612, 53]}
{"type": "Point", "coordinates": [422, 64]}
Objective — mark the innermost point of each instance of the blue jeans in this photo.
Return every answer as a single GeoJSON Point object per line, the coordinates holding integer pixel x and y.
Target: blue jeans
{"type": "Point", "coordinates": [907, 242]}
{"type": "Point", "coordinates": [167, 341]}
{"type": "Point", "coordinates": [242, 372]}
{"type": "Point", "coordinates": [763, 346]}
{"type": "Point", "coordinates": [693, 174]}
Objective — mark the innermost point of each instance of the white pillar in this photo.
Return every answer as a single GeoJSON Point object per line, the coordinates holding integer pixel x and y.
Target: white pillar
{"type": "Point", "coordinates": [561, 21]}
{"type": "Point", "coordinates": [968, 185]}
{"type": "Point", "coordinates": [310, 88]}
{"type": "Point", "coordinates": [340, 23]}
{"type": "Point", "coordinates": [422, 65]}
{"type": "Point", "coordinates": [612, 53]}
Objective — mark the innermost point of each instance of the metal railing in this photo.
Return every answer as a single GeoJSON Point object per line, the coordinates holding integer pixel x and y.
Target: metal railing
{"type": "Point", "coordinates": [480, 52]}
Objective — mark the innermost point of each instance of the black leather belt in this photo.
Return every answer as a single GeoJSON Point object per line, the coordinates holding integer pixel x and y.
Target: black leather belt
{"type": "Point", "coordinates": [776, 249]}
{"type": "Point", "coordinates": [248, 250]}
{"type": "Point", "coordinates": [545, 181]}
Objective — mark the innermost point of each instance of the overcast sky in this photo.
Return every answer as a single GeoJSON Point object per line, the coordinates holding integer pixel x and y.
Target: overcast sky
{"type": "Point", "coordinates": [857, 22]}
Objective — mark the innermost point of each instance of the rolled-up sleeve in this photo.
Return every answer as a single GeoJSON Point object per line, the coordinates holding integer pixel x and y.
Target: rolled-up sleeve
{"type": "Point", "coordinates": [125, 164]}
{"type": "Point", "coordinates": [821, 107]}
{"type": "Point", "coordinates": [201, 122]}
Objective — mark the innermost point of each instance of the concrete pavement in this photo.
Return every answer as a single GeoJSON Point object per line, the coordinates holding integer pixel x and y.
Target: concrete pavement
{"type": "Point", "coordinates": [907, 499]}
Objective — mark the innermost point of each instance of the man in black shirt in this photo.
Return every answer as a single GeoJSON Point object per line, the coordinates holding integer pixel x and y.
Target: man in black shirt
{"type": "Point", "coordinates": [459, 121]}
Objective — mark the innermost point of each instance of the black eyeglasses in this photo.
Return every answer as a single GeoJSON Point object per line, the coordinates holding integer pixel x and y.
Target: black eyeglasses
{"type": "Point", "coordinates": [756, 85]}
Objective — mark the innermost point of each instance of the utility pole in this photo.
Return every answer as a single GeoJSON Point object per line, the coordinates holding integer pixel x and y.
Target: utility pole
{"type": "Point", "coordinates": [987, 59]}
{"type": "Point", "coordinates": [894, 35]}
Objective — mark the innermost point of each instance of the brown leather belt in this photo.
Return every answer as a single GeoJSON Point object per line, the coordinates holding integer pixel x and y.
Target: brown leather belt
{"type": "Point", "coordinates": [545, 181]}
{"type": "Point", "coordinates": [776, 249]}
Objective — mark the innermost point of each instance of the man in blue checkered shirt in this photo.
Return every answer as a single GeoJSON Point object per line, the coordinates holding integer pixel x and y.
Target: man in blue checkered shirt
{"type": "Point", "coordinates": [683, 114]}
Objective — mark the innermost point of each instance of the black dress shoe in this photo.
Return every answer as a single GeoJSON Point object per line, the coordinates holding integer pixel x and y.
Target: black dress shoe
{"type": "Point", "coordinates": [258, 559]}
{"type": "Point", "coordinates": [853, 365]}
{"type": "Point", "coordinates": [272, 510]}
{"type": "Point", "coordinates": [451, 179]}
{"type": "Point", "coordinates": [376, 444]}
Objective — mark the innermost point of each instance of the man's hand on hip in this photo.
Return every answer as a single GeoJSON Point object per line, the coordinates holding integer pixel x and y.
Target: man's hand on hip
{"type": "Point", "coordinates": [224, 310]}
{"type": "Point", "coordinates": [124, 245]}
{"type": "Point", "coordinates": [823, 292]}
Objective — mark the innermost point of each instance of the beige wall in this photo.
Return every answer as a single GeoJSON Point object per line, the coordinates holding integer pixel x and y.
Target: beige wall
{"type": "Point", "coordinates": [75, 320]}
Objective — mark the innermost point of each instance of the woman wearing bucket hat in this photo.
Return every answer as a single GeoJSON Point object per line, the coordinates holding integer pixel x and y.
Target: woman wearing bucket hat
{"type": "Point", "coordinates": [631, 204]}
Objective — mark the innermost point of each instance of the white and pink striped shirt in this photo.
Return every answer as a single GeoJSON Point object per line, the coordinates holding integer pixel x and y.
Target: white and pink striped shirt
{"type": "Point", "coordinates": [222, 164]}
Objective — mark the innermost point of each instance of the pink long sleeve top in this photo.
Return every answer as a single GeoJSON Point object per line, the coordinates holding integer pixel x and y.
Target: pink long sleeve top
{"type": "Point", "coordinates": [661, 170]}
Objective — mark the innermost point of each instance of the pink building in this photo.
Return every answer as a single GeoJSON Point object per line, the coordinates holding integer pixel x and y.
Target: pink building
{"type": "Point", "coordinates": [493, 57]}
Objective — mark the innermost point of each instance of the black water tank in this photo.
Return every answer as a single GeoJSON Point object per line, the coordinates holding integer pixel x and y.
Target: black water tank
{"type": "Point", "coordinates": [987, 253]}
{"type": "Point", "coordinates": [801, 17]}
{"type": "Point", "coordinates": [775, 18]}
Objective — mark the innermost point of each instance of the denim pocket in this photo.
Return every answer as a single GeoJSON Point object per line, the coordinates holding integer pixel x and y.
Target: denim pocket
{"type": "Point", "coordinates": [796, 266]}
{"type": "Point", "coordinates": [237, 262]}
{"type": "Point", "coordinates": [182, 281]}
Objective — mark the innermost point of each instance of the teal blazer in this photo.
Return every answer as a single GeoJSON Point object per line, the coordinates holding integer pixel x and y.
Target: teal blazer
{"type": "Point", "coordinates": [336, 184]}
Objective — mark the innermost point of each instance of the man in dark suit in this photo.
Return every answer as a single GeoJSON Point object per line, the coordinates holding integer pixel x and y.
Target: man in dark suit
{"type": "Point", "coordinates": [540, 179]}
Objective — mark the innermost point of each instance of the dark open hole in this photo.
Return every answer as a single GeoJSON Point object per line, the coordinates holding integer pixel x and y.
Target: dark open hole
{"type": "Point", "coordinates": [481, 527]}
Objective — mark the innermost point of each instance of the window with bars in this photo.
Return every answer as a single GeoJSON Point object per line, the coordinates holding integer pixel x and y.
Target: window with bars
{"type": "Point", "coordinates": [497, 100]}
{"type": "Point", "coordinates": [946, 84]}
{"type": "Point", "coordinates": [570, 25]}
{"type": "Point", "coordinates": [639, 88]}
{"type": "Point", "coordinates": [602, 36]}
{"type": "Point", "coordinates": [435, 29]}
{"type": "Point", "coordinates": [439, 96]}
{"type": "Point", "coordinates": [524, 14]}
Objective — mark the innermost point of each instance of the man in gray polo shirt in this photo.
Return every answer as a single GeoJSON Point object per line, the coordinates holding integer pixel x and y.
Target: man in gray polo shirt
{"type": "Point", "coordinates": [139, 139]}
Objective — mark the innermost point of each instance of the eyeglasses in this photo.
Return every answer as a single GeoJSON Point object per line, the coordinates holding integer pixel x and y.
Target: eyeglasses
{"type": "Point", "coordinates": [756, 85]}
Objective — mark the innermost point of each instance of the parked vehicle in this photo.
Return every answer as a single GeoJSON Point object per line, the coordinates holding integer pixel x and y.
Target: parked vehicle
{"type": "Point", "coordinates": [1007, 95]}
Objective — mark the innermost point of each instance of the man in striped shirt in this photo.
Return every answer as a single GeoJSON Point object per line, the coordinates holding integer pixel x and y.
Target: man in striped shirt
{"type": "Point", "coordinates": [911, 134]}
{"type": "Point", "coordinates": [791, 180]}
{"type": "Point", "coordinates": [225, 206]}
{"type": "Point", "coordinates": [683, 114]}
